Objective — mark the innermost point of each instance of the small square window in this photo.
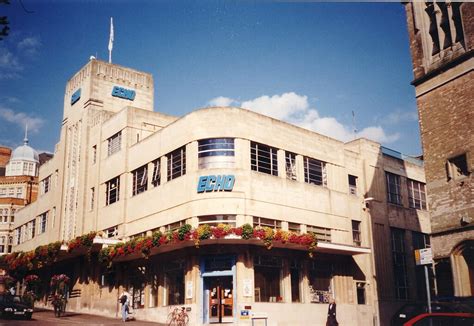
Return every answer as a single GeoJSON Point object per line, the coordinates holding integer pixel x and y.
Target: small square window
{"type": "Point", "coordinates": [457, 167]}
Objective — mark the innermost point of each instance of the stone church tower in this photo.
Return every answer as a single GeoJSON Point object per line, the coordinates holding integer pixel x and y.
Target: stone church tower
{"type": "Point", "coordinates": [442, 47]}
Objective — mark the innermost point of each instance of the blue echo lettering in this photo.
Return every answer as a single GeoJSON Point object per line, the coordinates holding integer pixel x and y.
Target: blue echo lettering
{"type": "Point", "coordinates": [121, 92]}
{"type": "Point", "coordinates": [208, 183]}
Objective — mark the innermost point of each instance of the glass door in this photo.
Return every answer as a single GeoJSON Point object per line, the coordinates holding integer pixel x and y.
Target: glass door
{"type": "Point", "coordinates": [221, 299]}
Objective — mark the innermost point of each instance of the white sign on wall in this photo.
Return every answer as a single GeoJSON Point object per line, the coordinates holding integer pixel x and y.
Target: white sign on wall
{"type": "Point", "coordinates": [189, 289]}
{"type": "Point", "coordinates": [247, 287]}
{"type": "Point", "coordinates": [424, 256]}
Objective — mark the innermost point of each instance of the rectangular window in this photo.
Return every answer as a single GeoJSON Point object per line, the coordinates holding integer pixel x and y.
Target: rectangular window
{"type": "Point", "coordinates": [174, 283]}
{"type": "Point", "coordinates": [19, 192]}
{"type": "Point", "coordinates": [416, 194]}
{"type": "Point", "coordinates": [352, 185]}
{"type": "Point", "coordinates": [43, 222]}
{"type": "Point", "coordinates": [45, 185]}
{"type": "Point", "coordinates": [356, 233]}
{"type": "Point", "coordinates": [216, 153]}
{"type": "Point", "coordinates": [174, 226]}
{"type": "Point", "coordinates": [319, 277]}
{"type": "Point", "coordinates": [113, 190]}
{"type": "Point", "coordinates": [261, 221]}
{"type": "Point", "coordinates": [176, 163]}
{"type": "Point", "coordinates": [156, 177]}
{"type": "Point", "coordinates": [31, 229]}
{"type": "Point", "coordinates": [457, 167]}
{"type": "Point", "coordinates": [393, 188]}
{"type": "Point", "coordinates": [267, 279]}
{"type": "Point", "coordinates": [322, 234]}
{"type": "Point", "coordinates": [263, 158]}
{"type": "Point", "coordinates": [295, 281]}
{"type": "Point", "coordinates": [290, 161]}
{"type": "Point", "coordinates": [215, 220]}
{"type": "Point", "coordinates": [360, 292]}
{"type": "Point", "coordinates": [18, 235]}
{"type": "Point", "coordinates": [2, 244]}
{"type": "Point", "coordinates": [294, 227]}
{"type": "Point", "coordinates": [92, 199]}
{"type": "Point", "coordinates": [94, 154]}
{"type": "Point", "coordinates": [114, 143]}
{"type": "Point", "coordinates": [314, 171]}
{"type": "Point", "coordinates": [140, 180]}
{"type": "Point", "coordinates": [112, 232]}
{"type": "Point", "coordinates": [399, 263]}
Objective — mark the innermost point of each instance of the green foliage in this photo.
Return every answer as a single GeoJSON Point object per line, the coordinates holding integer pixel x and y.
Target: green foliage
{"type": "Point", "coordinates": [247, 231]}
{"type": "Point", "coordinates": [183, 230]}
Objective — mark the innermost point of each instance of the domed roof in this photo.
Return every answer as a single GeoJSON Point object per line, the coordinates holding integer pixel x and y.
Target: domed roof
{"type": "Point", "coordinates": [25, 153]}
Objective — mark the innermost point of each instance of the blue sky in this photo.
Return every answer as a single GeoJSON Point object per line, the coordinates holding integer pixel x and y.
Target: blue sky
{"type": "Point", "coordinates": [310, 64]}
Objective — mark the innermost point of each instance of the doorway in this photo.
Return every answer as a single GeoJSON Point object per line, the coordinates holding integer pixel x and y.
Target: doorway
{"type": "Point", "coordinates": [220, 299]}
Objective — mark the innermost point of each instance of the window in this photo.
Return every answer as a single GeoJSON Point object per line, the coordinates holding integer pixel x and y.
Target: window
{"type": "Point", "coordinates": [267, 279]}
{"type": "Point", "coordinates": [113, 190]}
{"type": "Point", "coordinates": [19, 192]}
{"type": "Point", "coordinates": [261, 221]}
{"type": "Point", "coordinates": [319, 277]}
{"type": "Point", "coordinates": [176, 163]}
{"type": "Point", "coordinates": [174, 226]}
{"type": "Point", "coordinates": [18, 235]}
{"type": "Point", "coordinates": [356, 233]}
{"type": "Point", "coordinates": [322, 234]}
{"type": "Point", "coordinates": [295, 281]}
{"type": "Point", "coordinates": [393, 189]}
{"type": "Point", "coordinates": [92, 199]}
{"type": "Point", "coordinates": [4, 215]}
{"type": "Point", "coordinates": [314, 171]}
{"type": "Point", "coordinates": [3, 242]}
{"type": "Point", "coordinates": [263, 158]}
{"type": "Point", "coordinates": [215, 220]}
{"type": "Point", "coordinates": [360, 286]}
{"type": "Point", "coordinates": [3, 192]}
{"type": "Point", "coordinates": [399, 263]}
{"type": "Point", "coordinates": [352, 185]}
{"type": "Point", "coordinates": [294, 227]}
{"type": "Point", "coordinates": [216, 152]}
{"type": "Point", "coordinates": [114, 143]}
{"type": "Point", "coordinates": [94, 154]}
{"type": "Point", "coordinates": [140, 180]}
{"type": "Point", "coordinates": [45, 184]}
{"type": "Point", "coordinates": [156, 177]}
{"type": "Point", "coordinates": [416, 194]}
{"type": "Point", "coordinates": [43, 222]}
{"type": "Point", "coordinates": [290, 161]}
{"type": "Point", "coordinates": [112, 232]}
{"type": "Point", "coordinates": [457, 168]}
{"type": "Point", "coordinates": [31, 229]}
{"type": "Point", "coordinates": [174, 283]}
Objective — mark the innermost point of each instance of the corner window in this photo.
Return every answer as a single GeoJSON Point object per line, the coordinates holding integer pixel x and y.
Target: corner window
{"type": "Point", "coordinates": [314, 171]}
{"type": "Point", "coordinates": [176, 163]}
{"type": "Point", "coordinates": [393, 189]}
{"type": "Point", "coordinates": [215, 220]}
{"type": "Point", "coordinates": [263, 158]}
{"type": "Point", "coordinates": [352, 184]}
{"type": "Point", "coordinates": [416, 194]}
{"type": "Point", "coordinates": [216, 152]}
{"type": "Point", "coordinates": [267, 279]}
{"type": "Point", "coordinates": [457, 167]}
{"type": "Point", "coordinates": [140, 180]}
{"type": "Point", "coordinates": [290, 161]}
{"type": "Point", "coordinates": [113, 190]}
{"type": "Point", "coordinates": [114, 143]}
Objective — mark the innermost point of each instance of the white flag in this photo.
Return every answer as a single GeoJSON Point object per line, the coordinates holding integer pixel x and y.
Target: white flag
{"type": "Point", "coordinates": [111, 39]}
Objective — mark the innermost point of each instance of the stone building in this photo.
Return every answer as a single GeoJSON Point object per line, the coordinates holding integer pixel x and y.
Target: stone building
{"type": "Point", "coordinates": [442, 46]}
{"type": "Point", "coordinates": [127, 172]}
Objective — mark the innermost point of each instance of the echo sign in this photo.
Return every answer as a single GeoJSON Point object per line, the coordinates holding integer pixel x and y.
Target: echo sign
{"type": "Point", "coordinates": [208, 183]}
{"type": "Point", "coordinates": [121, 92]}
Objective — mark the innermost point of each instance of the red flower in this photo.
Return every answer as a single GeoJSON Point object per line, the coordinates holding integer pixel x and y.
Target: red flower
{"type": "Point", "coordinates": [237, 231]}
{"type": "Point", "coordinates": [163, 239]}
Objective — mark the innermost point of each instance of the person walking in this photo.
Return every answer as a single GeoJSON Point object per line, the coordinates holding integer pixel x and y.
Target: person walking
{"type": "Point", "coordinates": [125, 302]}
{"type": "Point", "coordinates": [332, 321]}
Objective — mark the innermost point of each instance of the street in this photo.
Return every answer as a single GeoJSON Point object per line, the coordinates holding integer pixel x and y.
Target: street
{"type": "Point", "coordinates": [46, 317]}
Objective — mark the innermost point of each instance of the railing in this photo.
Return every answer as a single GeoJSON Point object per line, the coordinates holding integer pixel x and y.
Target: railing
{"type": "Point", "coordinates": [400, 156]}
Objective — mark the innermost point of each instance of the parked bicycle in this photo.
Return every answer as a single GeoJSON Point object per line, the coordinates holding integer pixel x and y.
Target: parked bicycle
{"type": "Point", "coordinates": [178, 317]}
{"type": "Point", "coordinates": [59, 305]}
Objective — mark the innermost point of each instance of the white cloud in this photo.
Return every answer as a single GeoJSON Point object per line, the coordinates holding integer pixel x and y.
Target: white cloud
{"type": "Point", "coordinates": [295, 109]}
{"type": "Point", "coordinates": [29, 46]}
{"type": "Point", "coordinates": [21, 119]}
{"type": "Point", "coordinates": [8, 60]}
{"type": "Point", "coordinates": [221, 101]}
{"type": "Point", "coordinates": [401, 116]}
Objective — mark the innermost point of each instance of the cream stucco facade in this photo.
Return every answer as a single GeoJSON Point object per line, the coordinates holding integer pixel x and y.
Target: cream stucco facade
{"type": "Point", "coordinates": [125, 170]}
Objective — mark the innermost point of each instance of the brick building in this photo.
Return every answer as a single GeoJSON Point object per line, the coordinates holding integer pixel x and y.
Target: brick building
{"type": "Point", "coordinates": [442, 46]}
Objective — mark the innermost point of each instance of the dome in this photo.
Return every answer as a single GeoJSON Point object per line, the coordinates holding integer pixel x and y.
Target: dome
{"type": "Point", "coordinates": [25, 153]}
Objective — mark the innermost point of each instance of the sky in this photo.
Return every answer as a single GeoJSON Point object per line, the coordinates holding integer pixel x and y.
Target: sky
{"type": "Point", "coordinates": [329, 67]}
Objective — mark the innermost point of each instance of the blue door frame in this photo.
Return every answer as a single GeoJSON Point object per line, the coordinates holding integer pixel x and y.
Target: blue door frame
{"type": "Point", "coordinates": [204, 275]}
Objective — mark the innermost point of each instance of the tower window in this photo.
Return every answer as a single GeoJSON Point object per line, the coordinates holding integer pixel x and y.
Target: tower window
{"type": "Point", "coordinates": [114, 143]}
{"type": "Point", "coordinates": [456, 167]}
{"type": "Point", "coordinates": [113, 190]}
{"type": "Point", "coordinates": [352, 184]}
{"type": "Point", "coordinates": [263, 158]}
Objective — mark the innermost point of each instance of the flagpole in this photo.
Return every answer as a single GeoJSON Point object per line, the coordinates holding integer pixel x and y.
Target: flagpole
{"type": "Point", "coordinates": [111, 39]}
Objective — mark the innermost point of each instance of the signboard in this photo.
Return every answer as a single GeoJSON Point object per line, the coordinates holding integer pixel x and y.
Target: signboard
{"type": "Point", "coordinates": [210, 183]}
{"type": "Point", "coordinates": [424, 256]}
{"type": "Point", "coordinates": [76, 96]}
{"type": "Point", "coordinates": [247, 287]}
{"type": "Point", "coordinates": [189, 290]}
{"type": "Point", "coordinates": [244, 314]}
{"type": "Point", "coordinates": [121, 92]}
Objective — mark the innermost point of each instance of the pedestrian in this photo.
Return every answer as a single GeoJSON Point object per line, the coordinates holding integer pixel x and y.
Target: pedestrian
{"type": "Point", "coordinates": [125, 302]}
{"type": "Point", "coordinates": [332, 321]}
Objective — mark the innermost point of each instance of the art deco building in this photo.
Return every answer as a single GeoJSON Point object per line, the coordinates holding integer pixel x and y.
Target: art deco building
{"type": "Point", "coordinates": [442, 47]}
{"type": "Point", "coordinates": [128, 172]}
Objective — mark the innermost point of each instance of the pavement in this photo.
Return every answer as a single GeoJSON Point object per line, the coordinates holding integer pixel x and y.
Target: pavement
{"type": "Point", "coordinates": [45, 317]}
